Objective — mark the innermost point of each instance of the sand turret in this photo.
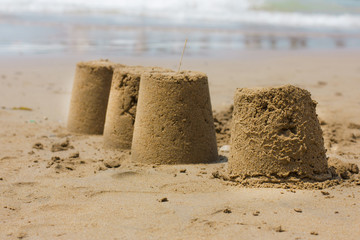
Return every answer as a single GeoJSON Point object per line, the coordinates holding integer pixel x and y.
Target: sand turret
{"type": "Point", "coordinates": [120, 116]}
{"type": "Point", "coordinates": [90, 96]}
{"type": "Point", "coordinates": [276, 133]}
{"type": "Point", "coordinates": [174, 122]}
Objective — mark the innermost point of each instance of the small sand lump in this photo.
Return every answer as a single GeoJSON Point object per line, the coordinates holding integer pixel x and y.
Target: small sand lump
{"type": "Point", "coordinates": [276, 133]}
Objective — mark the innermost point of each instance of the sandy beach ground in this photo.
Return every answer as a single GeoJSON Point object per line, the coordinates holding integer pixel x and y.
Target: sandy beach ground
{"type": "Point", "coordinates": [51, 188]}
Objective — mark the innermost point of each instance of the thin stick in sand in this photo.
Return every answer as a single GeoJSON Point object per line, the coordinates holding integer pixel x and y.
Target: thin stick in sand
{"type": "Point", "coordinates": [182, 55]}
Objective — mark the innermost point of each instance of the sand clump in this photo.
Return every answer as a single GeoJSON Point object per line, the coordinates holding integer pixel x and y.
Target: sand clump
{"type": "Point", "coordinates": [90, 96]}
{"type": "Point", "coordinates": [342, 169]}
{"type": "Point", "coordinates": [276, 134]}
{"type": "Point", "coordinates": [174, 122]}
{"type": "Point", "coordinates": [63, 146]}
{"type": "Point", "coordinates": [120, 116]}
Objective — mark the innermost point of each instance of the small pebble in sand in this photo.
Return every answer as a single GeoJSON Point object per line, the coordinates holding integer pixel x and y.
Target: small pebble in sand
{"type": "Point", "coordinates": [183, 170]}
{"type": "Point", "coordinates": [22, 235]}
{"type": "Point", "coordinates": [61, 146]}
{"type": "Point", "coordinates": [74, 155]}
{"type": "Point", "coordinates": [298, 210]}
{"type": "Point", "coordinates": [227, 210]}
{"type": "Point", "coordinates": [69, 168]}
{"type": "Point", "coordinates": [314, 233]}
{"type": "Point", "coordinates": [101, 167]}
{"type": "Point", "coordinates": [38, 145]}
{"type": "Point", "coordinates": [215, 175]}
{"type": "Point", "coordinates": [322, 122]}
{"type": "Point", "coordinates": [256, 213]}
{"type": "Point", "coordinates": [110, 163]}
{"type": "Point", "coordinates": [325, 193]}
{"type": "Point", "coordinates": [225, 148]}
{"type": "Point", "coordinates": [1, 179]}
{"type": "Point", "coordinates": [279, 229]}
{"type": "Point", "coordinates": [336, 212]}
{"type": "Point", "coordinates": [55, 159]}
{"type": "Point", "coordinates": [163, 199]}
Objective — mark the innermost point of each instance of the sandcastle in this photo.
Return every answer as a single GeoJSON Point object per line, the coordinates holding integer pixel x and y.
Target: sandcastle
{"type": "Point", "coordinates": [174, 123]}
{"type": "Point", "coordinates": [276, 133]}
{"type": "Point", "coordinates": [90, 97]}
{"type": "Point", "coordinates": [120, 116]}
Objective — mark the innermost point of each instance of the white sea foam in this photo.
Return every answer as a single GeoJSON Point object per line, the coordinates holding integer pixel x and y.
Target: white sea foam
{"type": "Point", "coordinates": [234, 11]}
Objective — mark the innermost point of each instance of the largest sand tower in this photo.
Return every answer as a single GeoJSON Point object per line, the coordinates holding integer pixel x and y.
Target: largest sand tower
{"type": "Point", "coordinates": [174, 122]}
{"type": "Point", "coordinates": [275, 133]}
{"type": "Point", "coordinates": [90, 96]}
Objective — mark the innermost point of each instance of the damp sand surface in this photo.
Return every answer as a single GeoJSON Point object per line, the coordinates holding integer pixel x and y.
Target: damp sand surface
{"type": "Point", "coordinates": [57, 185]}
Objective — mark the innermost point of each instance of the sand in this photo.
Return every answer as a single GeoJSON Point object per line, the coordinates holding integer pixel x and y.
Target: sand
{"type": "Point", "coordinates": [90, 96]}
{"type": "Point", "coordinates": [276, 132]}
{"type": "Point", "coordinates": [174, 122]}
{"type": "Point", "coordinates": [121, 109]}
{"type": "Point", "coordinates": [84, 191]}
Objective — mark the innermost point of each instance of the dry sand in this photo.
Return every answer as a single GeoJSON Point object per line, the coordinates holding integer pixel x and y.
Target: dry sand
{"type": "Point", "coordinates": [57, 185]}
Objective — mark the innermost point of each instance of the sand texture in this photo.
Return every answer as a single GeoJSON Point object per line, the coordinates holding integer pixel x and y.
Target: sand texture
{"type": "Point", "coordinates": [121, 109]}
{"type": "Point", "coordinates": [90, 96]}
{"type": "Point", "coordinates": [275, 132]}
{"type": "Point", "coordinates": [174, 122]}
{"type": "Point", "coordinates": [55, 184]}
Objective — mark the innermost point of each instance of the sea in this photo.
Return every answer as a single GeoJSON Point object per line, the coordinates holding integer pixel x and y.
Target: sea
{"type": "Point", "coordinates": [160, 27]}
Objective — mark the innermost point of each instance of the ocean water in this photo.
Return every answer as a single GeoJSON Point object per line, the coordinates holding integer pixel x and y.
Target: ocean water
{"type": "Point", "coordinates": [160, 27]}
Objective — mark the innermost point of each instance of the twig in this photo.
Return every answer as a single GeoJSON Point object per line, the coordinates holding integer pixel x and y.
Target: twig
{"type": "Point", "coordinates": [182, 55]}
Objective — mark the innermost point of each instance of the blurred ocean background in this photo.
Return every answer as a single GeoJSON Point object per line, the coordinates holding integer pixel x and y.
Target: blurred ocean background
{"type": "Point", "coordinates": [159, 27]}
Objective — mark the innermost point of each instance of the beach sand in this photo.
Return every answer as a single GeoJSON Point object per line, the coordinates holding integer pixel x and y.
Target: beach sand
{"type": "Point", "coordinates": [58, 185]}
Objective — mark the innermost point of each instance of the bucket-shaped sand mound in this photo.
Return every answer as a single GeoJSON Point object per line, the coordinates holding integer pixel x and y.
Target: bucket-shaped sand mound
{"type": "Point", "coordinates": [276, 133]}
{"type": "Point", "coordinates": [120, 116]}
{"type": "Point", "coordinates": [174, 122]}
{"type": "Point", "coordinates": [90, 96]}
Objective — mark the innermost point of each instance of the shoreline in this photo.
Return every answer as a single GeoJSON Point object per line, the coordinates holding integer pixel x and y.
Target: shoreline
{"type": "Point", "coordinates": [330, 76]}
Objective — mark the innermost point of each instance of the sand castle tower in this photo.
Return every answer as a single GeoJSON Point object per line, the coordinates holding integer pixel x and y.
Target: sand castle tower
{"type": "Point", "coordinates": [276, 133]}
{"type": "Point", "coordinates": [90, 96]}
{"type": "Point", "coordinates": [174, 122]}
{"type": "Point", "coordinates": [120, 116]}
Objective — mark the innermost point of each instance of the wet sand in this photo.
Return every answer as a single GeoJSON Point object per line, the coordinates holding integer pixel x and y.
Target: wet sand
{"type": "Point", "coordinates": [51, 188]}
